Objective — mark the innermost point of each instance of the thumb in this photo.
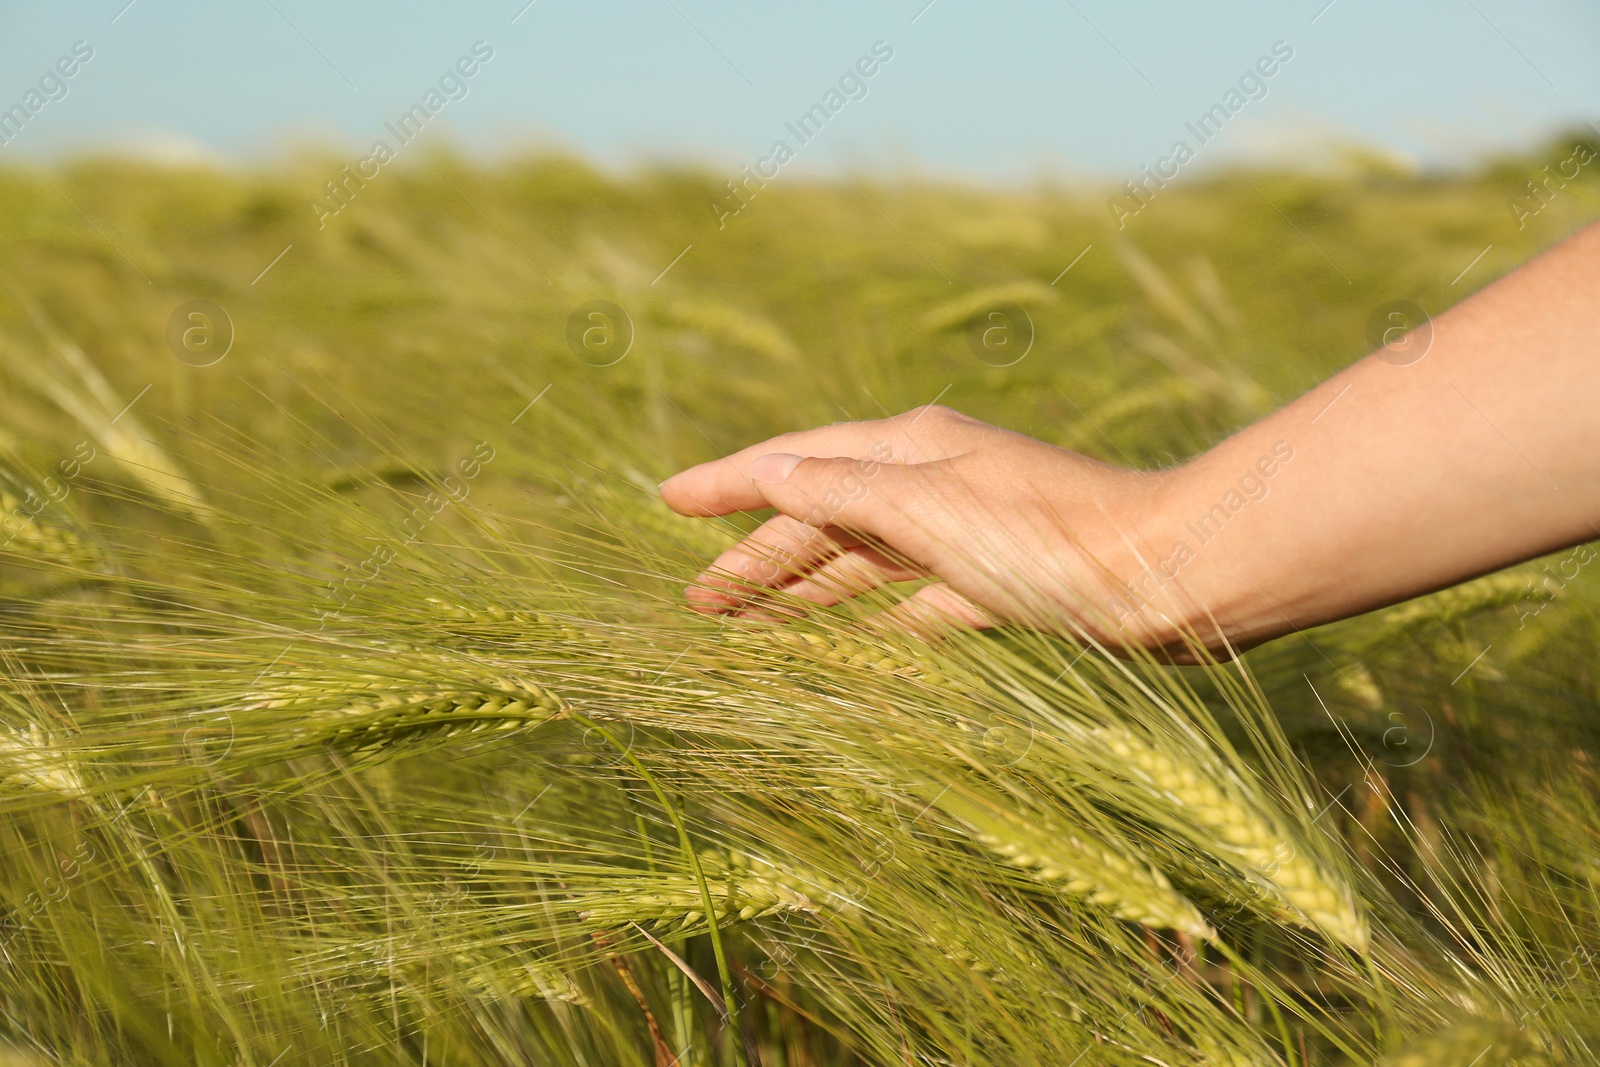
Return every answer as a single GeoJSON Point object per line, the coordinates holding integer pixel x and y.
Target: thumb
{"type": "Point", "coordinates": [864, 496]}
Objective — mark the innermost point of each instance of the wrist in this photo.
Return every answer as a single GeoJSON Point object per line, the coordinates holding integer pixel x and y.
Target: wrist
{"type": "Point", "coordinates": [1200, 524]}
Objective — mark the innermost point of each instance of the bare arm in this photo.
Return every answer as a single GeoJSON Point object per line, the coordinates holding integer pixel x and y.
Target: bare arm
{"type": "Point", "coordinates": [1391, 479]}
{"type": "Point", "coordinates": [1483, 453]}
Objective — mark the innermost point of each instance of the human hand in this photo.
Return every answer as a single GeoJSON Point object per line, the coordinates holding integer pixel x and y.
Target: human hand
{"type": "Point", "coordinates": [1015, 530]}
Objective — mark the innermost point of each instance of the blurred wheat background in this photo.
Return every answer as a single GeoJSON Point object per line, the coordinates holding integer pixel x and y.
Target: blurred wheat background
{"type": "Point", "coordinates": [349, 712]}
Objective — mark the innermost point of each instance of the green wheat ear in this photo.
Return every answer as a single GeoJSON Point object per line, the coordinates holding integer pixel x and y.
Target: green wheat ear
{"type": "Point", "coordinates": [372, 717]}
{"type": "Point", "coordinates": [742, 888]}
{"type": "Point", "coordinates": [1081, 868]}
{"type": "Point", "coordinates": [29, 763]}
{"type": "Point", "coordinates": [956, 313]}
{"type": "Point", "coordinates": [737, 328]}
{"type": "Point", "coordinates": [519, 979]}
{"type": "Point", "coordinates": [503, 622]}
{"type": "Point", "coordinates": [1313, 897]}
{"type": "Point", "coordinates": [1448, 605]}
{"type": "Point", "coordinates": [29, 537]}
{"type": "Point", "coordinates": [848, 650]}
{"type": "Point", "coordinates": [1479, 1042]}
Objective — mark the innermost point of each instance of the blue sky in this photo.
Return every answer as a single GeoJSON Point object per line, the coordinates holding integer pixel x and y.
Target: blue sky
{"type": "Point", "coordinates": [998, 91]}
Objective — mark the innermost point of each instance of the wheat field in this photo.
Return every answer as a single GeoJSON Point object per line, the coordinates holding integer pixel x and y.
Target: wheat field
{"type": "Point", "coordinates": [350, 712]}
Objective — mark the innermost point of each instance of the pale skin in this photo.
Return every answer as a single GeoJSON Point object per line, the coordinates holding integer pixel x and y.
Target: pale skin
{"type": "Point", "coordinates": [1405, 475]}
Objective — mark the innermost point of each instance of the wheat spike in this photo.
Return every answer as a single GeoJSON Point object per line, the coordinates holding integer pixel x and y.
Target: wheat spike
{"type": "Point", "coordinates": [950, 944]}
{"type": "Point", "coordinates": [520, 978]}
{"type": "Point", "coordinates": [750, 332]}
{"type": "Point", "coordinates": [653, 523]}
{"type": "Point", "coordinates": [28, 761]}
{"type": "Point", "coordinates": [961, 947]}
{"type": "Point", "coordinates": [499, 619]}
{"type": "Point", "coordinates": [845, 651]}
{"type": "Point", "coordinates": [1357, 680]}
{"type": "Point", "coordinates": [1086, 870]}
{"type": "Point", "coordinates": [1259, 847]}
{"type": "Point", "coordinates": [18, 533]}
{"type": "Point", "coordinates": [1479, 1042]}
{"type": "Point", "coordinates": [957, 313]}
{"type": "Point", "coordinates": [371, 716]}
{"type": "Point", "coordinates": [1225, 1056]}
{"type": "Point", "coordinates": [482, 972]}
{"type": "Point", "coordinates": [742, 888]}
{"type": "Point", "coordinates": [1448, 605]}
{"type": "Point", "coordinates": [95, 404]}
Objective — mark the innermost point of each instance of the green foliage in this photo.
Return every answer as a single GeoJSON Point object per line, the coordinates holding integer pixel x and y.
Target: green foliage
{"type": "Point", "coordinates": [349, 712]}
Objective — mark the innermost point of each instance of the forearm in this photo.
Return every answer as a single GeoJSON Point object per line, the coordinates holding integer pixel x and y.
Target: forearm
{"type": "Point", "coordinates": [1400, 479]}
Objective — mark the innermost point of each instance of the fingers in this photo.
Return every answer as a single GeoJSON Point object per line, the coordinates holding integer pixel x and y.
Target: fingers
{"type": "Point", "coordinates": [845, 526]}
{"type": "Point", "coordinates": [933, 612]}
{"type": "Point", "coordinates": [918, 436]}
{"type": "Point", "coordinates": [823, 504]}
{"type": "Point", "coordinates": [722, 486]}
{"type": "Point", "coordinates": [849, 574]}
{"type": "Point", "coordinates": [889, 504]}
{"type": "Point", "coordinates": [781, 550]}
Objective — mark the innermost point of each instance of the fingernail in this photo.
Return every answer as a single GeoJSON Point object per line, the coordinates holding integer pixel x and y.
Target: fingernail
{"type": "Point", "coordinates": [775, 467]}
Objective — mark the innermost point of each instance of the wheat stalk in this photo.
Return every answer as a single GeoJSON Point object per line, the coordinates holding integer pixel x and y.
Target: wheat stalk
{"type": "Point", "coordinates": [1312, 896]}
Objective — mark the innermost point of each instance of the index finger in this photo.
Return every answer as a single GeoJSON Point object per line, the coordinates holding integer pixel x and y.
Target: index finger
{"type": "Point", "coordinates": [723, 486]}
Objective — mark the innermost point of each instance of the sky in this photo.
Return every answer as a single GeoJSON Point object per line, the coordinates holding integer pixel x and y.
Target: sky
{"type": "Point", "coordinates": [996, 91]}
